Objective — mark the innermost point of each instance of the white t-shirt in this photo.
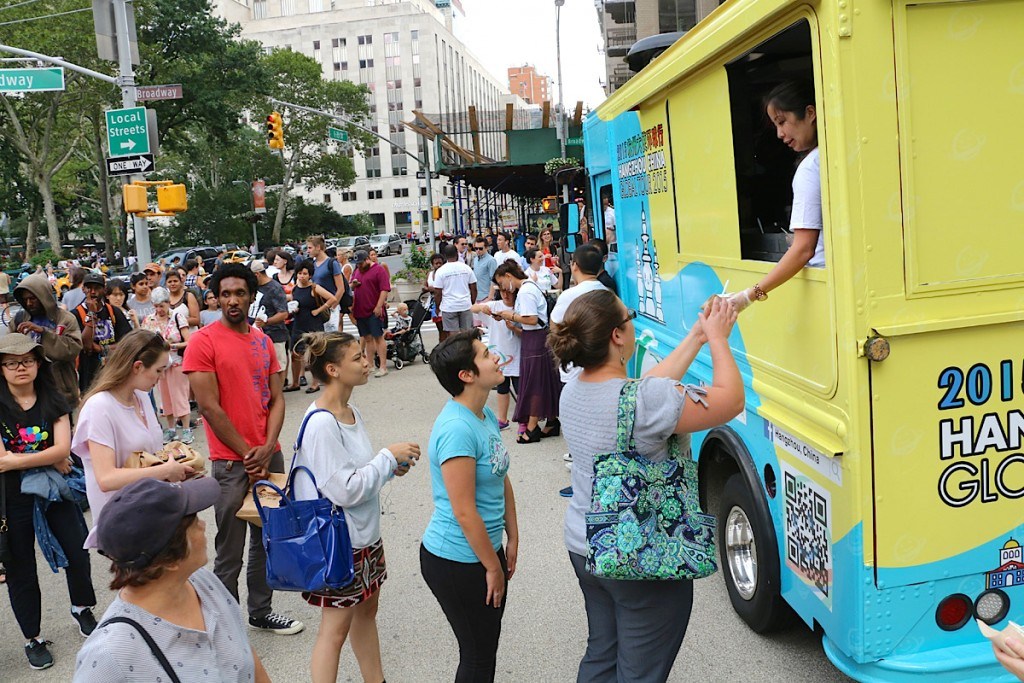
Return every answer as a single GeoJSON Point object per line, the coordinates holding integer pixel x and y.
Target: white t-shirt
{"type": "Point", "coordinates": [502, 256]}
{"type": "Point", "coordinates": [504, 340]}
{"type": "Point", "coordinates": [543, 277]}
{"type": "Point", "coordinates": [807, 204]}
{"type": "Point", "coordinates": [347, 471]}
{"type": "Point", "coordinates": [531, 301]}
{"type": "Point", "coordinates": [558, 315]}
{"type": "Point", "coordinates": [454, 279]}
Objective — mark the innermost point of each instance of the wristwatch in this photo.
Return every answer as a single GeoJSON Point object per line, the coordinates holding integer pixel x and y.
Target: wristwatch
{"type": "Point", "coordinates": [759, 294]}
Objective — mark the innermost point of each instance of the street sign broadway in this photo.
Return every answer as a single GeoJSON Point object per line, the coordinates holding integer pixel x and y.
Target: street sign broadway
{"type": "Point", "coordinates": [31, 80]}
{"type": "Point", "coordinates": [575, 141]}
{"type": "Point", "coordinates": [139, 163]}
{"type": "Point", "coordinates": [422, 175]}
{"type": "Point", "coordinates": [337, 134]}
{"type": "Point", "coordinates": [127, 132]}
{"type": "Point", "coordinates": [149, 93]}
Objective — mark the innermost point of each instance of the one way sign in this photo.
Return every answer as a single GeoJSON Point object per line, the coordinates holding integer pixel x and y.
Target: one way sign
{"type": "Point", "coordinates": [140, 163]}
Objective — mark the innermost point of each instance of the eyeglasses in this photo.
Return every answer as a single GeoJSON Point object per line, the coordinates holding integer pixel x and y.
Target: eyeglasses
{"type": "Point", "coordinates": [24, 363]}
{"type": "Point", "coordinates": [630, 315]}
{"type": "Point", "coordinates": [479, 248]}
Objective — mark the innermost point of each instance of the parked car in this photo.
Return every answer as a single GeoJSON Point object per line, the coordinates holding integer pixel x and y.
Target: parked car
{"type": "Point", "coordinates": [353, 243]}
{"type": "Point", "coordinates": [386, 244]}
{"type": "Point", "coordinates": [238, 256]}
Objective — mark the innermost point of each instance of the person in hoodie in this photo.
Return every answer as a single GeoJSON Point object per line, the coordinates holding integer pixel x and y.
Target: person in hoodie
{"type": "Point", "coordinates": [53, 328]}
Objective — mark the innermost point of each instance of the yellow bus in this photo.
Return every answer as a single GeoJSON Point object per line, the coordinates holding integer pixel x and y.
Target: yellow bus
{"type": "Point", "coordinates": [873, 486]}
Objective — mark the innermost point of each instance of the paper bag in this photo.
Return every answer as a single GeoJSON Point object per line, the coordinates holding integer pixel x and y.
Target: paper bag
{"type": "Point", "coordinates": [268, 498]}
{"type": "Point", "coordinates": [182, 453]}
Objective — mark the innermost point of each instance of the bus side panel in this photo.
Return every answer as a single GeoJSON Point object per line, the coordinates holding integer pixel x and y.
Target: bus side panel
{"type": "Point", "coordinates": [668, 292]}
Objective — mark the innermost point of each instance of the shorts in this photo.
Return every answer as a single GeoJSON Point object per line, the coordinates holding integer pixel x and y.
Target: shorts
{"type": "Point", "coordinates": [281, 350]}
{"type": "Point", "coordinates": [371, 326]}
{"type": "Point", "coordinates": [511, 384]}
{"type": "Point", "coordinates": [370, 572]}
{"type": "Point", "coordinates": [454, 321]}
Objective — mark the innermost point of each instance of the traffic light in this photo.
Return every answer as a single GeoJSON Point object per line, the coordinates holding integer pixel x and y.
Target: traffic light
{"type": "Point", "coordinates": [135, 200]}
{"type": "Point", "coordinates": [437, 212]}
{"type": "Point", "coordinates": [171, 198]}
{"type": "Point", "coordinates": [549, 204]}
{"type": "Point", "coordinates": [275, 130]}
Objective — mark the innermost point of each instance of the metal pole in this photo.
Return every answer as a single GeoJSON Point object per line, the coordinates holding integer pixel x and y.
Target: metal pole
{"type": "Point", "coordinates": [430, 195]}
{"type": "Point", "coordinates": [126, 81]}
{"type": "Point", "coordinates": [59, 62]}
{"type": "Point", "coordinates": [562, 132]}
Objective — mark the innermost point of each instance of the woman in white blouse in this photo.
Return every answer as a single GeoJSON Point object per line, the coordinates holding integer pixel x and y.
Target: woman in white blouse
{"type": "Point", "coordinates": [336, 448]}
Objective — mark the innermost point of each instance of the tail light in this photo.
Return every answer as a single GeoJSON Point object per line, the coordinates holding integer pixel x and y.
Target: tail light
{"type": "Point", "coordinates": [954, 611]}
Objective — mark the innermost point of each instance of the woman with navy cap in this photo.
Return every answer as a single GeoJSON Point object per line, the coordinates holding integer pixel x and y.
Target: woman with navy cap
{"type": "Point", "coordinates": [172, 618]}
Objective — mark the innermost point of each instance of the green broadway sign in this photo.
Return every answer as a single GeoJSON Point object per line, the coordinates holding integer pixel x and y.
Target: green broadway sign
{"type": "Point", "coordinates": [337, 134]}
{"type": "Point", "coordinates": [31, 80]}
{"type": "Point", "coordinates": [576, 142]}
{"type": "Point", "coordinates": [127, 132]}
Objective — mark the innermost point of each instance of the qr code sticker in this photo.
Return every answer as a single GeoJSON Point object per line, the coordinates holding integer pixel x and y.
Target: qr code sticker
{"type": "Point", "coordinates": [808, 509]}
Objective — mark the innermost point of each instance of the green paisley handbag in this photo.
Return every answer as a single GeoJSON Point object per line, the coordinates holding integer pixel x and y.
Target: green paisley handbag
{"type": "Point", "coordinates": [645, 522]}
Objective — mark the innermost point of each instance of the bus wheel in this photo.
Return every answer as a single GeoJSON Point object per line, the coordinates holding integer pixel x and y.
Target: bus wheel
{"type": "Point", "coordinates": [750, 559]}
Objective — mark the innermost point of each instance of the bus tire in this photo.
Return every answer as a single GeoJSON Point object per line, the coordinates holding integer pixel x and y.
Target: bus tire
{"type": "Point", "coordinates": [749, 559]}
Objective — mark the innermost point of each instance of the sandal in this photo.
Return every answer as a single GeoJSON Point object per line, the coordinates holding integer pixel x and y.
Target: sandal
{"type": "Point", "coordinates": [551, 428]}
{"type": "Point", "coordinates": [312, 390]}
{"type": "Point", "coordinates": [532, 436]}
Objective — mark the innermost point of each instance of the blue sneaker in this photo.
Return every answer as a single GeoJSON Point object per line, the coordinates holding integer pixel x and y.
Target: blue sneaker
{"type": "Point", "coordinates": [566, 492]}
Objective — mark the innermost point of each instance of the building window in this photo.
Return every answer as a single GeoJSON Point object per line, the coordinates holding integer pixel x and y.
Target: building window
{"type": "Point", "coordinates": [327, 198]}
{"type": "Point", "coordinates": [348, 196]}
{"type": "Point", "coordinates": [365, 40]}
{"type": "Point", "coordinates": [375, 194]}
{"type": "Point", "coordinates": [378, 219]}
{"type": "Point", "coordinates": [316, 6]}
{"type": "Point", "coordinates": [403, 217]}
{"type": "Point", "coordinates": [401, 192]}
{"type": "Point", "coordinates": [373, 173]}
{"type": "Point", "coordinates": [316, 51]}
{"type": "Point", "coordinates": [423, 192]}
{"type": "Point", "coordinates": [259, 9]}
{"type": "Point", "coordinates": [287, 8]}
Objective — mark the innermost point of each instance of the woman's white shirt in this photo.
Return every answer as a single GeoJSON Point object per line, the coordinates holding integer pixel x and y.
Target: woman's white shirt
{"type": "Point", "coordinates": [806, 214]}
{"type": "Point", "coordinates": [542, 276]}
{"type": "Point", "coordinates": [503, 339]}
{"type": "Point", "coordinates": [530, 301]}
{"type": "Point", "coordinates": [347, 471]}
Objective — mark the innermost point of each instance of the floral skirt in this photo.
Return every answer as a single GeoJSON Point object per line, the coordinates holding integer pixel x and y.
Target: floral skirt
{"type": "Point", "coordinates": [370, 572]}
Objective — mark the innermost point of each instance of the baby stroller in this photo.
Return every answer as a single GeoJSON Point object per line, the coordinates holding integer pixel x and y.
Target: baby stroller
{"type": "Point", "coordinates": [403, 348]}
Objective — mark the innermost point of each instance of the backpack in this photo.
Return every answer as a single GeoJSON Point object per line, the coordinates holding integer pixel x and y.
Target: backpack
{"type": "Point", "coordinates": [345, 304]}
{"type": "Point", "coordinates": [549, 298]}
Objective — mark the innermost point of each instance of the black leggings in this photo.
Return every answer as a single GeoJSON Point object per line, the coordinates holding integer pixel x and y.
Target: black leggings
{"type": "Point", "coordinates": [68, 525]}
{"type": "Point", "coordinates": [461, 589]}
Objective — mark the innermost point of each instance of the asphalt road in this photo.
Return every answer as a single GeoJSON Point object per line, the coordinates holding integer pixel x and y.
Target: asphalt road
{"type": "Point", "coordinates": [545, 626]}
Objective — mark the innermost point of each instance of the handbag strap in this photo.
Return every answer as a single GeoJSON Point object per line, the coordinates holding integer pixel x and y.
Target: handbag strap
{"type": "Point", "coordinates": [302, 432]}
{"type": "Point", "coordinates": [627, 416]}
{"type": "Point", "coordinates": [153, 647]}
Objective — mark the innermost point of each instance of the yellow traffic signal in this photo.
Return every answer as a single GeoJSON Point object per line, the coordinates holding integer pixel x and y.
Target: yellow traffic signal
{"type": "Point", "coordinates": [437, 212]}
{"type": "Point", "coordinates": [171, 198]}
{"type": "Point", "coordinates": [275, 130]}
{"type": "Point", "coordinates": [135, 200]}
{"type": "Point", "coordinates": [549, 204]}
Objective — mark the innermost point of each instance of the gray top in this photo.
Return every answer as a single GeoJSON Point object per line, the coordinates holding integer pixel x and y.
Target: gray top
{"type": "Point", "coordinates": [220, 653]}
{"type": "Point", "coordinates": [141, 309]}
{"type": "Point", "coordinates": [589, 415]}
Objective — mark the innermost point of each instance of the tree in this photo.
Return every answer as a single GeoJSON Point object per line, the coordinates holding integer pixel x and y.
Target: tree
{"type": "Point", "coordinates": [307, 154]}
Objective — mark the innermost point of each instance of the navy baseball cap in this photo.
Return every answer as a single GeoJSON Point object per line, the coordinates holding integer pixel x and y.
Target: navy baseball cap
{"type": "Point", "coordinates": [138, 521]}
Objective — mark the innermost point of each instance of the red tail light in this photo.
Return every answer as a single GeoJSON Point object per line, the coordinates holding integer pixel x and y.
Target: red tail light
{"type": "Point", "coordinates": [953, 612]}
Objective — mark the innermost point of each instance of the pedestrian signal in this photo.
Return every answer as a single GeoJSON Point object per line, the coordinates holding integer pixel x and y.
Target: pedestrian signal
{"type": "Point", "coordinates": [275, 130]}
{"type": "Point", "coordinates": [171, 198]}
{"type": "Point", "coordinates": [549, 204]}
{"type": "Point", "coordinates": [135, 200]}
{"type": "Point", "coordinates": [436, 212]}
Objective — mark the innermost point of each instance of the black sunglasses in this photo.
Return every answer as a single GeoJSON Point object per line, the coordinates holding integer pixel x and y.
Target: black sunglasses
{"type": "Point", "coordinates": [630, 315]}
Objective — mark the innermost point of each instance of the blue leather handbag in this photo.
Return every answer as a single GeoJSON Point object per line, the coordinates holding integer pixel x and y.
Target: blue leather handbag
{"type": "Point", "coordinates": [307, 541]}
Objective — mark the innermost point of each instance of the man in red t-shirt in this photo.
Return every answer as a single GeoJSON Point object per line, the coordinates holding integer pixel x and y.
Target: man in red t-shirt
{"type": "Point", "coordinates": [370, 287]}
{"type": "Point", "coordinates": [237, 381]}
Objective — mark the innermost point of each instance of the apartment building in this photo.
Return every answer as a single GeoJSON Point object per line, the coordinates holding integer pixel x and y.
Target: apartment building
{"type": "Point", "coordinates": [404, 51]}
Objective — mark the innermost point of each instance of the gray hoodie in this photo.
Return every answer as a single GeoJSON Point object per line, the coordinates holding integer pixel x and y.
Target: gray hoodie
{"type": "Point", "coordinates": [61, 338]}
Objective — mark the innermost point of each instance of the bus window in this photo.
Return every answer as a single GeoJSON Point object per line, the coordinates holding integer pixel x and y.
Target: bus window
{"type": "Point", "coordinates": [764, 165]}
{"type": "Point", "coordinates": [605, 216]}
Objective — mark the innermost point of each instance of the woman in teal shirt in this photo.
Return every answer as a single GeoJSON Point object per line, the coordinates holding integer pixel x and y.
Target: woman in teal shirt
{"type": "Point", "coordinates": [461, 556]}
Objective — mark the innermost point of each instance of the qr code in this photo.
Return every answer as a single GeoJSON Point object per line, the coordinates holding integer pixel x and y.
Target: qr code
{"type": "Point", "coordinates": [808, 533]}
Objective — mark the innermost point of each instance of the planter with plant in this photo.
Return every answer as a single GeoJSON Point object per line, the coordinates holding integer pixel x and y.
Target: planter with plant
{"type": "Point", "coordinates": [409, 281]}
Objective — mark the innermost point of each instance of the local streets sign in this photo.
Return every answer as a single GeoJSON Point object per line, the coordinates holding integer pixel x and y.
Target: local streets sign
{"type": "Point", "coordinates": [337, 134]}
{"type": "Point", "coordinates": [139, 163]}
{"type": "Point", "coordinates": [31, 80]}
{"type": "Point", "coordinates": [127, 132]}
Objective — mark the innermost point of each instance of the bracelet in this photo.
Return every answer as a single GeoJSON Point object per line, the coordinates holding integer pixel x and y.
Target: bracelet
{"type": "Point", "coordinates": [759, 294]}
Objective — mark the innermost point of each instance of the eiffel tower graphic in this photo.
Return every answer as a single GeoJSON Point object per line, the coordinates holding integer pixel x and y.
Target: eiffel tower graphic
{"type": "Point", "coordinates": [649, 273]}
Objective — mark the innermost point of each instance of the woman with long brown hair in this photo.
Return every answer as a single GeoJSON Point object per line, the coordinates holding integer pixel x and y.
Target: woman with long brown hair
{"type": "Point", "coordinates": [117, 419]}
{"type": "Point", "coordinates": [539, 384]}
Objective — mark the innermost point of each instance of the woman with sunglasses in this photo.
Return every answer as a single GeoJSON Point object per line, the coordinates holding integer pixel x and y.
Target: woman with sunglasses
{"type": "Point", "coordinates": [636, 627]}
{"type": "Point", "coordinates": [35, 427]}
{"type": "Point", "coordinates": [117, 419]}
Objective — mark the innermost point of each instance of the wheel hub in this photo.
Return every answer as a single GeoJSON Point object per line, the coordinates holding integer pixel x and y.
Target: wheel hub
{"type": "Point", "coordinates": [741, 552]}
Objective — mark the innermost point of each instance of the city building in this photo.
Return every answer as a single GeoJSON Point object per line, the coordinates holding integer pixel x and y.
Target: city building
{"type": "Point", "coordinates": [525, 82]}
{"type": "Point", "coordinates": [404, 51]}
{"type": "Point", "coordinates": [623, 22]}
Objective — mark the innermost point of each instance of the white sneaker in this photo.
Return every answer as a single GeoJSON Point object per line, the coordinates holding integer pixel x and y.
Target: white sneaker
{"type": "Point", "coordinates": [567, 457]}
{"type": "Point", "coordinates": [568, 466]}
{"type": "Point", "coordinates": [187, 436]}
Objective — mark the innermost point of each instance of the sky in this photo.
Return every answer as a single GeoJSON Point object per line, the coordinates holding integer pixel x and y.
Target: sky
{"type": "Point", "coordinates": [504, 33]}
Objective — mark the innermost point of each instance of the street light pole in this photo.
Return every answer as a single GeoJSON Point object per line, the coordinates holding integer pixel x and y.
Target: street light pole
{"type": "Point", "coordinates": [255, 216]}
{"type": "Point", "coordinates": [562, 133]}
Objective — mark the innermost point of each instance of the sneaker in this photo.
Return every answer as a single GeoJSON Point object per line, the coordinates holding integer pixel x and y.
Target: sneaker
{"type": "Point", "coordinates": [302, 381]}
{"type": "Point", "coordinates": [169, 435]}
{"type": "Point", "coordinates": [277, 623]}
{"type": "Point", "coordinates": [502, 425]}
{"type": "Point", "coordinates": [39, 656]}
{"type": "Point", "coordinates": [187, 436]}
{"type": "Point", "coordinates": [568, 466]}
{"type": "Point", "coordinates": [567, 457]}
{"type": "Point", "coordinates": [86, 621]}
{"type": "Point", "coordinates": [380, 373]}
{"type": "Point", "coordinates": [566, 492]}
